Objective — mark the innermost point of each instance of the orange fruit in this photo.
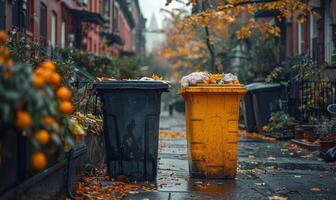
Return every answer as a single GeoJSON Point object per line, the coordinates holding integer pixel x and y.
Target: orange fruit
{"type": "Point", "coordinates": [5, 52]}
{"type": "Point", "coordinates": [39, 71]}
{"type": "Point", "coordinates": [46, 74]}
{"type": "Point", "coordinates": [42, 136]}
{"type": "Point", "coordinates": [9, 63]}
{"type": "Point", "coordinates": [48, 121]}
{"type": "Point", "coordinates": [38, 81]}
{"type": "Point", "coordinates": [7, 74]}
{"type": "Point", "coordinates": [23, 119]}
{"type": "Point", "coordinates": [66, 108]}
{"type": "Point", "coordinates": [39, 160]}
{"type": "Point", "coordinates": [3, 37]}
{"type": "Point", "coordinates": [64, 94]}
{"type": "Point", "coordinates": [55, 79]}
{"type": "Point", "coordinates": [48, 65]}
{"type": "Point", "coordinates": [2, 60]}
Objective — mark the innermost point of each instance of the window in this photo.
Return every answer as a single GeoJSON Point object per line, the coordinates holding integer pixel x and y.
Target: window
{"type": "Point", "coordinates": [2, 16]}
{"type": "Point", "coordinates": [53, 31]}
{"type": "Point", "coordinates": [19, 13]}
{"type": "Point", "coordinates": [63, 36]}
{"type": "Point", "coordinates": [107, 8]}
{"type": "Point", "coordinates": [15, 13]}
{"type": "Point", "coordinates": [43, 24]}
{"type": "Point", "coordinates": [115, 19]}
{"type": "Point", "coordinates": [313, 38]}
{"type": "Point", "coordinates": [300, 38]}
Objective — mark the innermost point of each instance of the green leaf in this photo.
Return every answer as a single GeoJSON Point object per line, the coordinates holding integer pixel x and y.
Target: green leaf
{"type": "Point", "coordinates": [56, 139]}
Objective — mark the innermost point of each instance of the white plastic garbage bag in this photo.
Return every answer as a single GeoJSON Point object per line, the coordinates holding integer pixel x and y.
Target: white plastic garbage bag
{"type": "Point", "coordinates": [146, 79]}
{"type": "Point", "coordinates": [229, 79]}
{"type": "Point", "coordinates": [194, 78]}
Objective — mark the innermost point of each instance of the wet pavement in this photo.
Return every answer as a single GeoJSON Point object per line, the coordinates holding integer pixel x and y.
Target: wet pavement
{"type": "Point", "coordinates": [266, 169]}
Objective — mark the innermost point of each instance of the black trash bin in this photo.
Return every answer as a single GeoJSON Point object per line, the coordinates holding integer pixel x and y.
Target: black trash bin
{"type": "Point", "coordinates": [266, 99]}
{"type": "Point", "coordinates": [131, 112]}
{"type": "Point", "coordinates": [248, 110]}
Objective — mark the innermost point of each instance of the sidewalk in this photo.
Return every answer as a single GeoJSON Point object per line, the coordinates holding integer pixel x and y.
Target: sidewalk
{"type": "Point", "coordinates": [266, 169]}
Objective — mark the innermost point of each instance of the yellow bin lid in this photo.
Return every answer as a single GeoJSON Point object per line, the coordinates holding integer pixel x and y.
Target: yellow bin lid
{"type": "Point", "coordinates": [221, 88]}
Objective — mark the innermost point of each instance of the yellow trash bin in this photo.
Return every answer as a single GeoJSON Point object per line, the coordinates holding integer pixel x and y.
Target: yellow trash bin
{"type": "Point", "coordinates": [212, 114]}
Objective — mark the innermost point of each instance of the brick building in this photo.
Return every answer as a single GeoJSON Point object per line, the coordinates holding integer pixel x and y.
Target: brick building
{"type": "Point", "coordinates": [83, 24]}
{"type": "Point", "coordinates": [316, 37]}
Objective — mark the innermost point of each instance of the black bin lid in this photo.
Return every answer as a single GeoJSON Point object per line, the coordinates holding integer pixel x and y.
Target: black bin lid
{"type": "Point", "coordinates": [263, 86]}
{"type": "Point", "coordinates": [131, 84]}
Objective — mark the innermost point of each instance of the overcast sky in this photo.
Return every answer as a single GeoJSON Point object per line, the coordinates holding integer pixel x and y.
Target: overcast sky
{"type": "Point", "coordinates": [149, 7]}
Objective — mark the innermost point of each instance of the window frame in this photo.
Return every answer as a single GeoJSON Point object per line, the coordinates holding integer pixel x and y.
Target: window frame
{"type": "Point", "coordinates": [301, 41]}
{"type": "Point", "coordinates": [53, 29]}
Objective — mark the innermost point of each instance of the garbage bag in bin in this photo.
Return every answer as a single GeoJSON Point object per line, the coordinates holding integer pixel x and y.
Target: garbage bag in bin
{"type": "Point", "coordinates": [266, 99]}
{"type": "Point", "coordinates": [131, 112]}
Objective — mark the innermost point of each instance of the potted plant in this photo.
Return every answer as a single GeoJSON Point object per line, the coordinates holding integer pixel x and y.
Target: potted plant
{"type": "Point", "coordinates": [298, 132]}
{"type": "Point", "coordinates": [326, 133]}
{"type": "Point", "coordinates": [309, 130]}
{"type": "Point", "coordinates": [281, 125]}
{"type": "Point", "coordinates": [34, 122]}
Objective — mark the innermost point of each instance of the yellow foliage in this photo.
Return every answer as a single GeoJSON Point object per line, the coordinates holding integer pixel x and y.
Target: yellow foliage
{"type": "Point", "coordinates": [187, 41]}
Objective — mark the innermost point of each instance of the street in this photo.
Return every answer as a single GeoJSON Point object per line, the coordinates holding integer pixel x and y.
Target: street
{"type": "Point", "coordinates": [266, 169]}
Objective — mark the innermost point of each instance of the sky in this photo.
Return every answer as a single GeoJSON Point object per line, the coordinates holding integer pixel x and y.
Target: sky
{"type": "Point", "coordinates": [149, 7]}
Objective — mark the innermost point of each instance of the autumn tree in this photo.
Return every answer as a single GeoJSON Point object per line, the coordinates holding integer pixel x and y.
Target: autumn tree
{"type": "Point", "coordinates": [207, 32]}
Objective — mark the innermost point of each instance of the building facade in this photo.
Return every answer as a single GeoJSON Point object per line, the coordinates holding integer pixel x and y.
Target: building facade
{"type": "Point", "coordinates": [316, 37]}
{"type": "Point", "coordinates": [110, 27]}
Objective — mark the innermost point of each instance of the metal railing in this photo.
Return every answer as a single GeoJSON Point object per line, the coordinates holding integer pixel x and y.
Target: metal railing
{"type": "Point", "coordinates": [311, 98]}
{"type": "Point", "coordinates": [308, 93]}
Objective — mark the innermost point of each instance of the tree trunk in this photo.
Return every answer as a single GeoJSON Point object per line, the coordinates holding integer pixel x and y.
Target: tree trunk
{"type": "Point", "coordinates": [210, 46]}
{"type": "Point", "coordinates": [211, 49]}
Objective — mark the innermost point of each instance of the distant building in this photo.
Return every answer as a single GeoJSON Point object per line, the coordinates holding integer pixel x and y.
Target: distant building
{"type": "Point", "coordinates": [89, 25]}
{"type": "Point", "coordinates": [315, 38]}
{"type": "Point", "coordinates": [153, 35]}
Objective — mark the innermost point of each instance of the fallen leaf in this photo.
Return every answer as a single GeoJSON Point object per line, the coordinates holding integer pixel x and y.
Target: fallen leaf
{"type": "Point", "coordinates": [251, 156]}
{"type": "Point", "coordinates": [271, 158]}
{"type": "Point", "coordinates": [260, 184]}
{"type": "Point", "coordinates": [277, 198]}
{"type": "Point", "coordinates": [315, 189]}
